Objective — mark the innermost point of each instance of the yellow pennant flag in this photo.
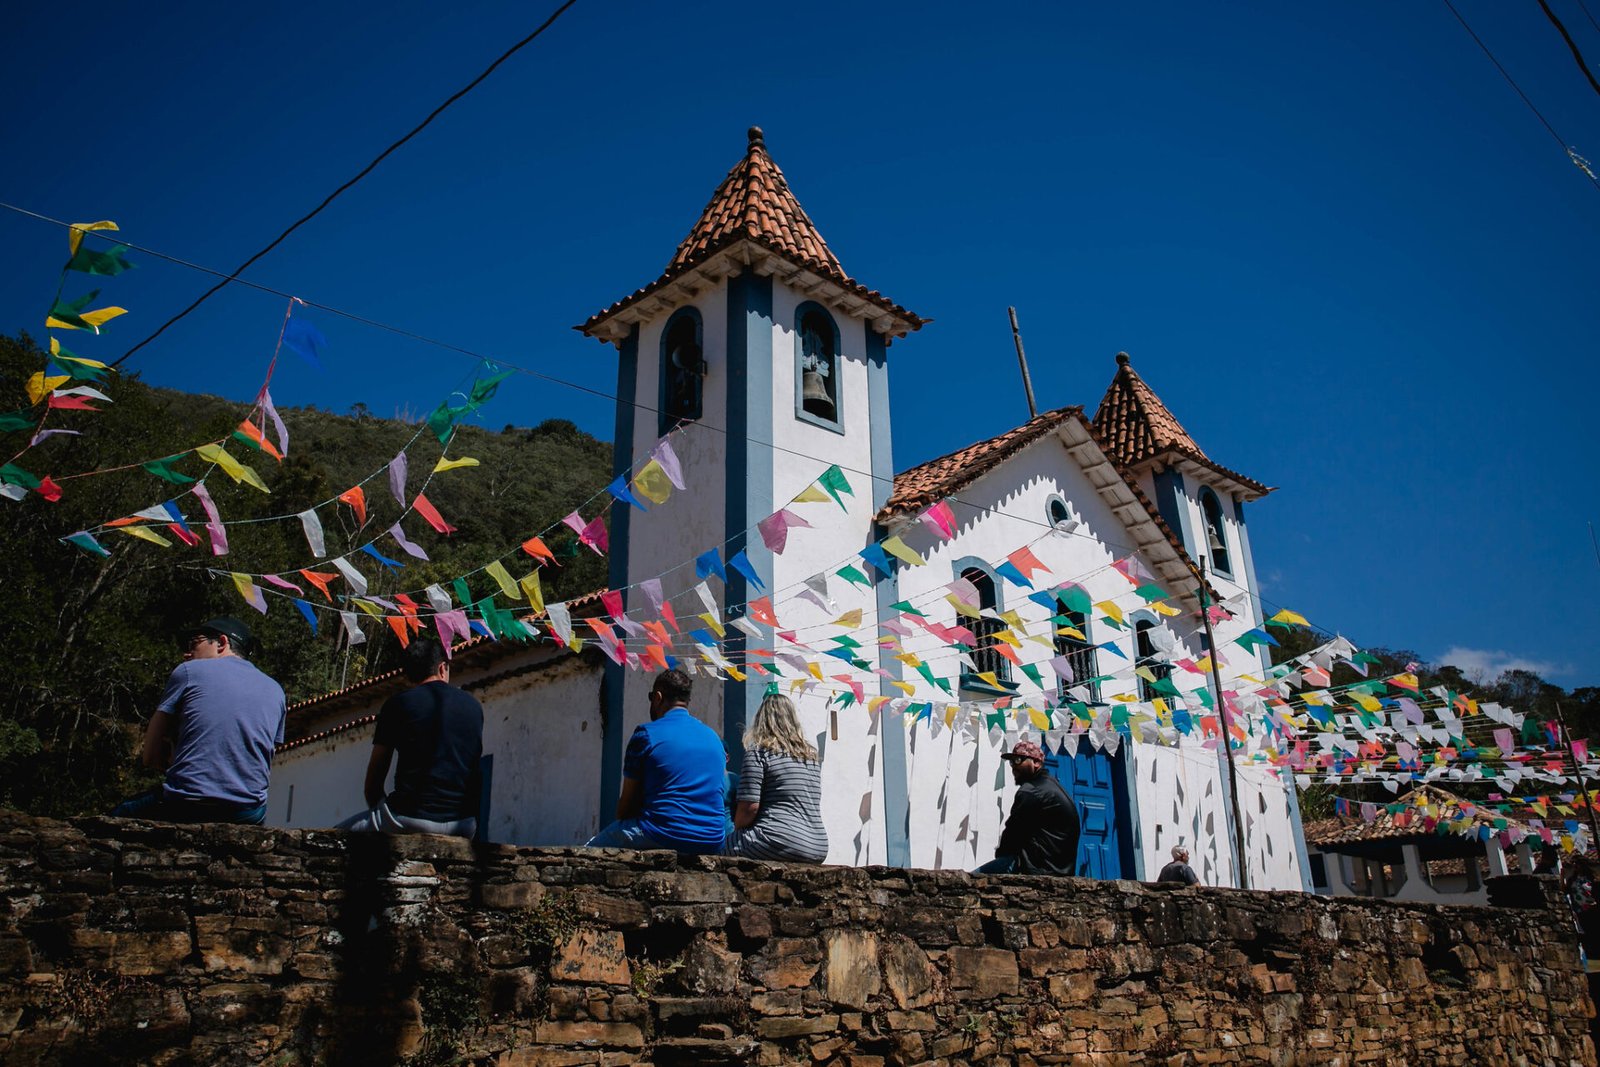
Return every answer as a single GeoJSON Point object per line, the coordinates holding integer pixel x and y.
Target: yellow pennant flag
{"type": "Point", "coordinates": [1146, 673]}
{"type": "Point", "coordinates": [1161, 608]}
{"type": "Point", "coordinates": [1294, 618]}
{"type": "Point", "coordinates": [78, 229]}
{"type": "Point", "coordinates": [904, 687]}
{"type": "Point", "coordinates": [40, 387]}
{"type": "Point", "coordinates": [1013, 620]}
{"type": "Point", "coordinates": [1071, 631]}
{"type": "Point", "coordinates": [716, 626]}
{"type": "Point", "coordinates": [1160, 705]}
{"type": "Point", "coordinates": [902, 552]}
{"type": "Point", "coordinates": [950, 714]}
{"type": "Point", "coordinates": [531, 589]}
{"type": "Point", "coordinates": [962, 607]}
{"type": "Point", "coordinates": [55, 353]}
{"type": "Point", "coordinates": [1008, 637]}
{"type": "Point", "coordinates": [812, 494]}
{"type": "Point", "coordinates": [230, 466]}
{"type": "Point", "coordinates": [990, 677]}
{"type": "Point", "coordinates": [369, 607]}
{"type": "Point", "coordinates": [816, 672]}
{"type": "Point", "coordinates": [502, 578]}
{"type": "Point", "coordinates": [1040, 719]}
{"type": "Point", "coordinates": [653, 483]}
{"type": "Point", "coordinates": [1111, 611]}
{"type": "Point", "coordinates": [909, 659]}
{"type": "Point", "coordinates": [1204, 665]}
{"type": "Point", "coordinates": [849, 618]}
{"type": "Point", "coordinates": [874, 703]}
{"type": "Point", "coordinates": [1368, 703]}
{"type": "Point", "coordinates": [144, 533]}
{"type": "Point", "coordinates": [451, 464]}
{"type": "Point", "coordinates": [96, 319]}
{"type": "Point", "coordinates": [734, 672]}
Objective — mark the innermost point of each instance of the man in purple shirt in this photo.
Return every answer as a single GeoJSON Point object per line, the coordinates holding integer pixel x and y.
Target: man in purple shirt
{"type": "Point", "coordinates": [213, 733]}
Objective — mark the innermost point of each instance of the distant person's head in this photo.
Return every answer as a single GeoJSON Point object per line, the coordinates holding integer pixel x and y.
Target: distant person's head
{"type": "Point", "coordinates": [222, 636]}
{"type": "Point", "coordinates": [422, 660]}
{"type": "Point", "coordinates": [1180, 854]}
{"type": "Point", "coordinates": [1027, 761]}
{"type": "Point", "coordinates": [671, 690]}
{"type": "Point", "coordinates": [777, 729]}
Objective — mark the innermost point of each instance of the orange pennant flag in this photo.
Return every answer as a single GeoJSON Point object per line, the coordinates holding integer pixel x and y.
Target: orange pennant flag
{"type": "Point", "coordinates": [535, 547]}
{"type": "Point", "coordinates": [357, 499]}
{"type": "Point", "coordinates": [397, 623]}
{"type": "Point", "coordinates": [320, 579]}
{"type": "Point", "coordinates": [425, 508]}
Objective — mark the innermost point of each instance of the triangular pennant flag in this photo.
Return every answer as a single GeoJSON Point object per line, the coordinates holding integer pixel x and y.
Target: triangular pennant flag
{"type": "Point", "coordinates": [85, 540]}
{"type": "Point", "coordinates": [214, 528]}
{"type": "Point", "coordinates": [162, 468]}
{"type": "Point", "coordinates": [653, 483]}
{"type": "Point", "coordinates": [352, 628]}
{"type": "Point", "coordinates": [708, 563]}
{"type": "Point", "coordinates": [320, 579]}
{"type": "Point", "coordinates": [392, 564]}
{"type": "Point", "coordinates": [250, 591]}
{"type": "Point", "coordinates": [356, 497]}
{"type": "Point", "coordinates": [940, 520]}
{"type": "Point", "coordinates": [239, 472]}
{"type": "Point", "coordinates": [282, 583]}
{"type": "Point", "coordinates": [833, 480]}
{"type": "Point", "coordinates": [313, 529]}
{"type": "Point", "coordinates": [619, 489]}
{"type": "Point", "coordinates": [502, 578]}
{"type": "Point", "coordinates": [594, 535]}
{"type": "Point", "coordinates": [532, 590]}
{"type": "Point", "coordinates": [305, 341]}
{"type": "Point", "coordinates": [902, 552]}
{"type": "Point", "coordinates": [878, 558]}
{"type": "Point", "coordinates": [397, 478]}
{"type": "Point", "coordinates": [425, 508]}
{"type": "Point", "coordinates": [1026, 562]}
{"type": "Point", "coordinates": [406, 546]}
{"type": "Point", "coordinates": [264, 402]}
{"type": "Point", "coordinates": [850, 574]}
{"type": "Point", "coordinates": [663, 455]}
{"type": "Point", "coordinates": [355, 578]}
{"type": "Point", "coordinates": [741, 563]}
{"type": "Point", "coordinates": [811, 494]}
{"type": "Point", "coordinates": [310, 614]}
{"type": "Point", "coordinates": [78, 230]}
{"type": "Point", "coordinates": [453, 464]}
{"type": "Point", "coordinates": [535, 547]}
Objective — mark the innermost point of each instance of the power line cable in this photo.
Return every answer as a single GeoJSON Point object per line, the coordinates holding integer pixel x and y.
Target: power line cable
{"type": "Point", "coordinates": [1572, 154]}
{"type": "Point", "coordinates": [368, 169]}
{"type": "Point", "coordinates": [1572, 45]}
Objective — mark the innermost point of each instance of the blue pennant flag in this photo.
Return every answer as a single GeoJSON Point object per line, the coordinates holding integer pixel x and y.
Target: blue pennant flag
{"type": "Point", "coordinates": [381, 558]}
{"type": "Point", "coordinates": [620, 490]}
{"type": "Point", "coordinates": [304, 340]}
{"type": "Point", "coordinates": [741, 563]}
{"type": "Point", "coordinates": [708, 563]}
{"type": "Point", "coordinates": [309, 612]}
{"type": "Point", "coordinates": [1008, 570]}
{"type": "Point", "coordinates": [875, 555]}
{"type": "Point", "coordinates": [703, 637]}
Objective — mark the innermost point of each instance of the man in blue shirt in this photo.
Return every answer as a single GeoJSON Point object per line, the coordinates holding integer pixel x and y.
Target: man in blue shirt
{"type": "Point", "coordinates": [673, 779]}
{"type": "Point", "coordinates": [213, 733]}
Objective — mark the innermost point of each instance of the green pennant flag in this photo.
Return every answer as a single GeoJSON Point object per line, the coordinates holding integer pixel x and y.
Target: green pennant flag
{"type": "Point", "coordinates": [1150, 593]}
{"type": "Point", "coordinates": [1113, 623]}
{"type": "Point", "coordinates": [15, 420]}
{"type": "Point", "coordinates": [162, 468]}
{"type": "Point", "coordinates": [833, 480]}
{"type": "Point", "coordinates": [1080, 711]}
{"type": "Point", "coordinates": [443, 418]}
{"type": "Point", "coordinates": [904, 607]}
{"type": "Point", "coordinates": [108, 263]}
{"type": "Point", "coordinates": [927, 672]}
{"type": "Point", "coordinates": [17, 476]}
{"type": "Point", "coordinates": [847, 641]}
{"type": "Point", "coordinates": [484, 388]}
{"type": "Point", "coordinates": [1204, 696]}
{"type": "Point", "coordinates": [71, 311]}
{"type": "Point", "coordinates": [995, 720]}
{"type": "Point", "coordinates": [1075, 598]}
{"type": "Point", "coordinates": [850, 574]}
{"type": "Point", "coordinates": [463, 596]}
{"type": "Point", "coordinates": [1119, 715]}
{"type": "Point", "coordinates": [846, 699]}
{"type": "Point", "coordinates": [1165, 687]}
{"type": "Point", "coordinates": [1033, 672]}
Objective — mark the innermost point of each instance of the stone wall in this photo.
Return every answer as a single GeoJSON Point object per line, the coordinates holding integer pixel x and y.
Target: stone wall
{"type": "Point", "coordinates": [134, 942]}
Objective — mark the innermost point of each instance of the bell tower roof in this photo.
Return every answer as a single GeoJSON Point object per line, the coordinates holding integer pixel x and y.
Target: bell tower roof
{"type": "Point", "coordinates": [754, 222]}
{"type": "Point", "coordinates": [1136, 428]}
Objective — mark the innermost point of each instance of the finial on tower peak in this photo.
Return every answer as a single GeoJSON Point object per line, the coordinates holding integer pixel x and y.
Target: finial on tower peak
{"type": "Point", "coordinates": [757, 137]}
{"type": "Point", "coordinates": [1123, 359]}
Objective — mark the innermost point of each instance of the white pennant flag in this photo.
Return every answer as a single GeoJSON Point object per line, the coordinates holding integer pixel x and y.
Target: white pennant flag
{"type": "Point", "coordinates": [560, 622]}
{"type": "Point", "coordinates": [704, 592]}
{"type": "Point", "coordinates": [352, 628]}
{"type": "Point", "coordinates": [357, 580]}
{"type": "Point", "coordinates": [439, 599]}
{"type": "Point", "coordinates": [313, 528]}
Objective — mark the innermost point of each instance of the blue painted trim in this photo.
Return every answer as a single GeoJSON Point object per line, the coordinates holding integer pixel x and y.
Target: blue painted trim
{"type": "Point", "coordinates": [1170, 503]}
{"type": "Point", "coordinates": [691, 312]}
{"type": "Point", "coordinates": [1298, 826]}
{"type": "Point", "coordinates": [891, 728]}
{"type": "Point", "coordinates": [1128, 809]}
{"type": "Point", "coordinates": [1252, 585]}
{"type": "Point", "coordinates": [622, 445]}
{"type": "Point", "coordinates": [485, 795]}
{"type": "Point", "coordinates": [836, 424]}
{"type": "Point", "coordinates": [748, 489]}
{"type": "Point", "coordinates": [1208, 493]}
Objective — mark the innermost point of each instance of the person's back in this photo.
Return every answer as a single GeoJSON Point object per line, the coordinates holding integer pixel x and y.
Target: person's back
{"type": "Point", "coordinates": [1043, 829]}
{"type": "Point", "coordinates": [788, 825]}
{"type": "Point", "coordinates": [229, 718]}
{"type": "Point", "coordinates": [1179, 870]}
{"type": "Point", "coordinates": [436, 731]}
{"type": "Point", "coordinates": [680, 763]}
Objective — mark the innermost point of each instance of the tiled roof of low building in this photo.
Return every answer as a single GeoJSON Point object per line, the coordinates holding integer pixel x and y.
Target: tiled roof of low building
{"type": "Point", "coordinates": [1441, 806]}
{"type": "Point", "coordinates": [1136, 426]}
{"type": "Point", "coordinates": [755, 204]}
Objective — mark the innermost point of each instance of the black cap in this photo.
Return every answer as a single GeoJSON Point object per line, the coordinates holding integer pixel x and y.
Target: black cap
{"type": "Point", "coordinates": [237, 633]}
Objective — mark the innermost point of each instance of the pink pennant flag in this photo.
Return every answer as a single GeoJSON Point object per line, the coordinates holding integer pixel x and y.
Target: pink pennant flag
{"type": "Point", "coordinates": [612, 601]}
{"type": "Point", "coordinates": [1025, 561]}
{"type": "Point", "coordinates": [397, 478]}
{"type": "Point", "coordinates": [1580, 752]}
{"type": "Point", "coordinates": [651, 587]}
{"type": "Point", "coordinates": [775, 529]}
{"type": "Point", "coordinates": [664, 455]}
{"type": "Point", "coordinates": [575, 523]}
{"type": "Point", "coordinates": [1504, 741]}
{"type": "Point", "coordinates": [594, 535]}
{"type": "Point", "coordinates": [273, 579]}
{"type": "Point", "coordinates": [214, 527]}
{"type": "Point", "coordinates": [940, 520]}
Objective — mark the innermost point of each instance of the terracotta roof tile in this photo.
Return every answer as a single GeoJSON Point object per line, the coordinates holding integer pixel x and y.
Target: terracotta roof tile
{"type": "Point", "coordinates": [936, 479]}
{"type": "Point", "coordinates": [754, 204]}
{"type": "Point", "coordinates": [1444, 806]}
{"type": "Point", "coordinates": [1136, 426]}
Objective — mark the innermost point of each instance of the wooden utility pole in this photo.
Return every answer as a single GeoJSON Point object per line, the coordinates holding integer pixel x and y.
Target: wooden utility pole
{"type": "Point", "coordinates": [1022, 361]}
{"type": "Point", "coordinates": [1594, 828]}
{"type": "Point", "coordinates": [1213, 655]}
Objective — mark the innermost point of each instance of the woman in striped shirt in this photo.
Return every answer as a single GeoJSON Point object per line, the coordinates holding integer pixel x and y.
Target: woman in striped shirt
{"type": "Point", "coordinates": [779, 811]}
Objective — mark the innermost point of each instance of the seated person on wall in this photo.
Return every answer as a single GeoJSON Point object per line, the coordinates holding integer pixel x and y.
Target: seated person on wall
{"type": "Point", "coordinates": [1041, 834]}
{"type": "Point", "coordinates": [779, 812]}
{"type": "Point", "coordinates": [1179, 870]}
{"type": "Point", "coordinates": [213, 733]}
{"type": "Point", "coordinates": [673, 779]}
{"type": "Point", "coordinates": [437, 730]}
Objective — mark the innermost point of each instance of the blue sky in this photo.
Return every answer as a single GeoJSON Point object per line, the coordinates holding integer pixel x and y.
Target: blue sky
{"type": "Point", "coordinates": [1334, 241]}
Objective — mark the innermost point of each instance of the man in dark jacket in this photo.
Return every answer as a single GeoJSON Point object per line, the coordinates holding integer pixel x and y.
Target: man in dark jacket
{"type": "Point", "coordinates": [1041, 834]}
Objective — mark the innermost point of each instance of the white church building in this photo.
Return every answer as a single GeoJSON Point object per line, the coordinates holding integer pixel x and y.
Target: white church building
{"type": "Point", "coordinates": [768, 365]}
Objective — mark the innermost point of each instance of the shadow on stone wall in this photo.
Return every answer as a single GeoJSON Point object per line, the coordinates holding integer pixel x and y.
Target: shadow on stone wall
{"type": "Point", "coordinates": [127, 942]}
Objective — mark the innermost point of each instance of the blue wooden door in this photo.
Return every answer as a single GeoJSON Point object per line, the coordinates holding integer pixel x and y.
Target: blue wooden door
{"type": "Point", "coordinates": [1091, 780]}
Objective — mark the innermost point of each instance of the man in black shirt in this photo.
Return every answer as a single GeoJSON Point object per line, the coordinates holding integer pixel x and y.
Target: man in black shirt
{"type": "Point", "coordinates": [1179, 870]}
{"type": "Point", "coordinates": [1041, 834]}
{"type": "Point", "coordinates": [437, 731]}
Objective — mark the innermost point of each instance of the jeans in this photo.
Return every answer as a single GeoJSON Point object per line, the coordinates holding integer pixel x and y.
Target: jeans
{"type": "Point", "coordinates": [627, 833]}
{"type": "Point", "coordinates": [156, 805]}
{"type": "Point", "coordinates": [998, 865]}
{"type": "Point", "coordinates": [380, 820]}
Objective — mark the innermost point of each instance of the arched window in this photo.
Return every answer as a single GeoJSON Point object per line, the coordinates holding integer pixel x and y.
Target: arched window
{"type": "Point", "coordinates": [1147, 655]}
{"type": "Point", "coordinates": [1079, 650]}
{"type": "Point", "coordinates": [984, 657]}
{"type": "Point", "coordinates": [1216, 533]}
{"type": "Point", "coordinates": [1057, 512]}
{"type": "Point", "coordinates": [817, 367]}
{"type": "Point", "coordinates": [683, 369]}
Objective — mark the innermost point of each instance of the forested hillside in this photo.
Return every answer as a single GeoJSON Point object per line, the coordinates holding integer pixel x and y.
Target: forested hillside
{"type": "Point", "coordinates": [92, 640]}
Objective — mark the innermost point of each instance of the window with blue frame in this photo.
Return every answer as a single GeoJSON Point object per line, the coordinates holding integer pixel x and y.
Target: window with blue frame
{"type": "Point", "coordinates": [1080, 655]}
{"type": "Point", "coordinates": [683, 370]}
{"type": "Point", "coordinates": [817, 367]}
{"type": "Point", "coordinates": [984, 657]}
{"type": "Point", "coordinates": [1216, 533]}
